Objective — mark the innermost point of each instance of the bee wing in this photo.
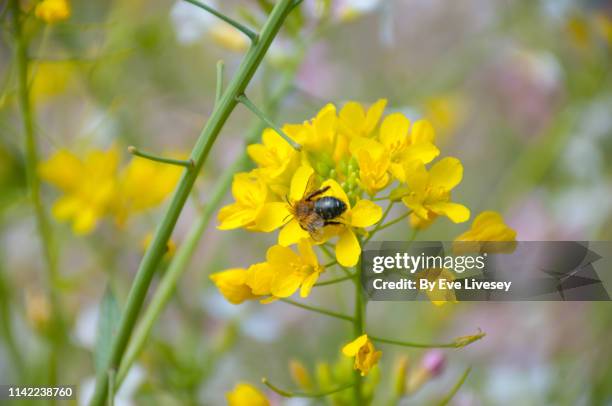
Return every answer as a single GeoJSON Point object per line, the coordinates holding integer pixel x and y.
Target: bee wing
{"type": "Point", "coordinates": [315, 227]}
{"type": "Point", "coordinates": [311, 186]}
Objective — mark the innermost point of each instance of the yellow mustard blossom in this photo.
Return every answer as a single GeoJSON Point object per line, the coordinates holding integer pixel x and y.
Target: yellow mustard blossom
{"type": "Point", "coordinates": [488, 226]}
{"type": "Point", "coordinates": [318, 134]}
{"type": "Point", "coordinates": [366, 356]}
{"type": "Point", "coordinates": [51, 11]}
{"type": "Point", "coordinates": [364, 214]}
{"type": "Point", "coordinates": [232, 285]}
{"type": "Point", "coordinates": [436, 295]}
{"type": "Point", "coordinates": [245, 394]}
{"type": "Point", "coordinates": [355, 121]}
{"type": "Point", "coordinates": [293, 271]}
{"type": "Point", "coordinates": [429, 192]}
{"type": "Point", "coordinates": [488, 233]}
{"type": "Point", "coordinates": [228, 37]}
{"type": "Point", "coordinates": [88, 186]}
{"type": "Point", "coordinates": [94, 187]}
{"type": "Point", "coordinates": [373, 166]}
{"type": "Point", "coordinates": [276, 160]}
{"type": "Point", "coordinates": [250, 193]}
{"type": "Point", "coordinates": [135, 190]}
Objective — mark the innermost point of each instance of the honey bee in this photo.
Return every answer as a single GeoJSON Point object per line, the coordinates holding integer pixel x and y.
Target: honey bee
{"type": "Point", "coordinates": [314, 212]}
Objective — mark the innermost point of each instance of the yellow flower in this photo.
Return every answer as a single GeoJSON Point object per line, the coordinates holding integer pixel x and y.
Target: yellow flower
{"type": "Point", "coordinates": [318, 134]}
{"type": "Point", "coordinates": [429, 194]}
{"type": "Point", "coordinates": [364, 352]}
{"type": "Point", "coordinates": [364, 214]}
{"type": "Point", "coordinates": [137, 192]}
{"type": "Point", "coordinates": [438, 296]}
{"type": "Point", "coordinates": [228, 37]}
{"type": "Point", "coordinates": [276, 160]}
{"type": "Point", "coordinates": [356, 122]}
{"type": "Point", "coordinates": [88, 186]}
{"type": "Point", "coordinates": [419, 146]}
{"type": "Point", "coordinates": [373, 167]}
{"type": "Point", "coordinates": [488, 226]}
{"type": "Point", "coordinates": [245, 394]}
{"type": "Point", "coordinates": [250, 194]}
{"type": "Point", "coordinates": [232, 285]}
{"type": "Point", "coordinates": [488, 233]}
{"type": "Point", "coordinates": [293, 271]}
{"type": "Point", "coordinates": [51, 11]}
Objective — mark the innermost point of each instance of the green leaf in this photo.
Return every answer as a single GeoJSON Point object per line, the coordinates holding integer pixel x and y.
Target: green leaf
{"type": "Point", "coordinates": [108, 319]}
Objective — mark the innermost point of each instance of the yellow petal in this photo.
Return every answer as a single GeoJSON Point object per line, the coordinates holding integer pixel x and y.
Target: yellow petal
{"type": "Point", "coordinates": [394, 130]}
{"type": "Point", "coordinates": [351, 349]}
{"type": "Point", "coordinates": [374, 114]}
{"type": "Point", "coordinates": [307, 253]}
{"type": "Point", "coordinates": [458, 213]}
{"type": "Point", "coordinates": [422, 151]}
{"type": "Point", "coordinates": [291, 234]}
{"type": "Point", "coordinates": [422, 131]}
{"type": "Point", "coordinates": [365, 213]}
{"type": "Point", "coordinates": [308, 283]}
{"type": "Point", "coordinates": [347, 248]}
{"type": "Point", "coordinates": [231, 284]}
{"type": "Point", "coordinates": [235, 216]}
{"type": "Point", "coordinates": [280, 255]}
{"type": "Point", "coordinates": [285, 284]}
{"type": "Point", "coordinates": [353, 115]}
{"type": "Point", "coordinates": [260, 278]}
{"type": "Point", "coordinates": [446, 173]}
{"type": "Point", "coordinates": [84, 222]}
{"type": "Point", "coordinates": [299, 182]}
{"type": "Point", "coordinates": [272, 216]}
{"type": "Point", "coordinates": [245, 394]}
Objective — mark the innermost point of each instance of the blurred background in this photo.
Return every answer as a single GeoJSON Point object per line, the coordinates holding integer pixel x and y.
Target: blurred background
{"type": "Point", "coordinates": [519, 90]}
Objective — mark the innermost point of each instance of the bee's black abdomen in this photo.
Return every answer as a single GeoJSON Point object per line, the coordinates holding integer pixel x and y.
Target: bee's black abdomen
{"type": "Point", "coordinates": [329, 207]}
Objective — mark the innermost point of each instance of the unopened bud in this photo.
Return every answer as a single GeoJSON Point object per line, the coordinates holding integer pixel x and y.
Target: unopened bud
{"type": "Point", "coordinates": [300, 375]}
{"type": "Point", "coordinates": [434, 362]}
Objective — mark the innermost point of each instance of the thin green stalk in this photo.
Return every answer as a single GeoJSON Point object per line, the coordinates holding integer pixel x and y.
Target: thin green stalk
{"type": "Point", "coordinates": [219, 88]}
{"type": "Point", "coordinates": [255, 110]}
{"type": "Point", "coordinates": [358, 329]}
{"type": "Point", "coordinates": [170, 161]}
{"type": "Point", "coordinates": [199, 155]}
{"type": "Point", "coordinates": [319, 310]}
{"type": "Point", "coordinates": [455, 388]}
{"type": "Point", "coordinates": [186, 250]}
{"type": "Point", "coordinates": [31, 160]}
{"type": "Point", "coordinates": [334, 281]}
{"type": "Point", "coordinates": [239, 26]}
{"type": "Point", "coordinates": [389, 224]}
{"type": "Point", "coordinates": [290, 394]}
{"type": "Point", "coordinates": [458, 342]}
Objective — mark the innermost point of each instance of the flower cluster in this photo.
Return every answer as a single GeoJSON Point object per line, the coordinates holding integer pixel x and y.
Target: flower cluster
{"type": "Point", "coordinates": [351, 155]}
{"type": "Point", "coordinates": [346, 160]}
{"type": "Point", "coordinates": [95, 186]}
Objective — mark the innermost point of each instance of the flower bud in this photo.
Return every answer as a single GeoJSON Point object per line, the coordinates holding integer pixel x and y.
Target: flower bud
{"type": "Point", "coordinates": [300, 375]}
{"type": "Point", "coordinates": [434, 362]}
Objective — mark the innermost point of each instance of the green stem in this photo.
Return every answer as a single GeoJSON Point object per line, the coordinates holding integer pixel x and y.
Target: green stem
{"type": "Point", "coordinates": [389, 224]}
{"type": "Point", "coordinates": [178, 162]}
{"type": "Point", "coordinates": [219, 88]}
{"type": "Point", "coordinates": [455, 388]}
{"type": "Point", "coordinates": [31, 159]}
{"type": "Point", "coordinates": [186, 250]}
{"type": "Point", "coordinates": [358, 329]}
{"type": "Point", "coordinates": [334, 281]}
{"type": "Point", "coordinates": [199, 155]}
{"type": "Point", "coordinates": [111, 387]}
{"type": "Point", "coordinates": [458, 342]}
{"type": "Point", "coordinates": [240, 27]}
{"type": "Point", "coordinates": [320, 394]}
{"type": "Point", "coordinates": [319, 310]}
{"type": "Point", "coordinates": [255, 110]}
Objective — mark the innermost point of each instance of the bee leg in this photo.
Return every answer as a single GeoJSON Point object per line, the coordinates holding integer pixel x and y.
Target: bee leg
{"type": "Point", "coordinates": [333, 223]}
{"type": "Point", "coordinates": [317, 193]}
